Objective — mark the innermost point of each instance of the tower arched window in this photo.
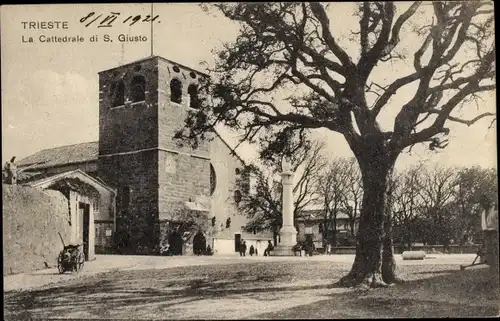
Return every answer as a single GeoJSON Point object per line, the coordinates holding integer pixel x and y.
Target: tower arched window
{"type": "Point", "coordinates": [176, 91]}
{"type": "Point", "coordinates": [194, 101]}
{"type": "Point", "coordinates": [138, 89]}
{"type": "Point", "coordinates": [117, 92]}
{"type": "Point", "coordinates": [237, 196]}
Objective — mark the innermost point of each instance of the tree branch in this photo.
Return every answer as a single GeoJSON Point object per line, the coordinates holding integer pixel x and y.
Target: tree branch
{"type": "Point", "coordinates": [320, 14]}
{"type": "Point", "coordinates": [463, 121]}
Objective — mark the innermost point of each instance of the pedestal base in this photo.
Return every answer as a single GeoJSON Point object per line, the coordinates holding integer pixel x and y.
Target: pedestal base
{"type": "Point", "coordinates": [288, 236]}
{"type": "Point", "coordinates": [283, 250]}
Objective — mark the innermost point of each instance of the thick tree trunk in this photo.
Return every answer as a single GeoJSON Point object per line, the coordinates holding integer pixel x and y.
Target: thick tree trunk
{"type": "Point", "coordinates": [389, 274]}
{"type": "Point", "coordinates": [374, 264]}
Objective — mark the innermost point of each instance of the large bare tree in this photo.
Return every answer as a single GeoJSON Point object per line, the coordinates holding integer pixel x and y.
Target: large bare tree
{"type": "Point", "coordinates": [290, 51]}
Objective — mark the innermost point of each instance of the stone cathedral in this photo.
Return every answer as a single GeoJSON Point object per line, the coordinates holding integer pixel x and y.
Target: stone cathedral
{"type": "Point", "coordinates": [166, 195]}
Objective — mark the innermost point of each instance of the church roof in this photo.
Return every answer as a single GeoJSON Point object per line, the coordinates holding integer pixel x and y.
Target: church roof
{"type": "Point", "coordinates": [63, 155]}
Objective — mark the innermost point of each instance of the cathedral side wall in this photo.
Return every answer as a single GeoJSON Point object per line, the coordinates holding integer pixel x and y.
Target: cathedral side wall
{"type": "Point", "coordinates": [223, 201]}
{"type": "Point", "coordinates": [181, 178]}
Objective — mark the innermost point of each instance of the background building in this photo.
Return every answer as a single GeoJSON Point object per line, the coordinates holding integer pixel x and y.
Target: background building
{"type": "Point", "coordinates": [312, 222]}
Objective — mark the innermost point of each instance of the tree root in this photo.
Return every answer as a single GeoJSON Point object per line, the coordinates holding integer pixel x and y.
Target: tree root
{"type": "Point", "coordinates": [374, 280]}
{"type": "Point", "coordinates": [347, 281]}
{"type": "Point", "coordinates": [397, 280]}
{"type": "Point", "coordinates": [369, 281]}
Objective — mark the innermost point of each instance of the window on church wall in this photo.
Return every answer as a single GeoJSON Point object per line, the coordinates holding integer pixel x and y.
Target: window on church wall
{"type": "Point", "coordinates": [117, 92]}
{"type": "Point", "coordinates": [194, 102]}
{"type": "Point", "coordinates": [213, 180]}
{"type": "Point", "coordinates": [176, 91]}
{"type": "Point", "coordinates": [138, 89]}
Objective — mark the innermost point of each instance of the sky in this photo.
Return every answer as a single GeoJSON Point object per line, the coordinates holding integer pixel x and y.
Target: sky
{"type": "Point", "coordinates": [50, 90]}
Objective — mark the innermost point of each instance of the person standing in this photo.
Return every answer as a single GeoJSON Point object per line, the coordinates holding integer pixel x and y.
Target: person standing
{"type": "Point", "coordinates": [252, 250]}
{"type": "Point", "coordinates": [269, 248]}
{"type": "Point", "coordinates": [240, 248]}
{"type": "Point", "coordinates": [243, 248]}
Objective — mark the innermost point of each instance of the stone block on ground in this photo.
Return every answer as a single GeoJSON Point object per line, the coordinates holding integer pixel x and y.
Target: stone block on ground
{"type": "Point", "coordinates": [413, 255]}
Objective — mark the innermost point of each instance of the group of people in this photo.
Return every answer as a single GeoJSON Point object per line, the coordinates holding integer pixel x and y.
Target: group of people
{"type": "Point", "coordinates": [253, 250]}
{"type": "Point", "coordinates": [243, 249]}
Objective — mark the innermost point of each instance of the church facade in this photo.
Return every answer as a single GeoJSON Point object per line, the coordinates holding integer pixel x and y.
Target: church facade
{"type": "Point", "coordinates": [166, 195]}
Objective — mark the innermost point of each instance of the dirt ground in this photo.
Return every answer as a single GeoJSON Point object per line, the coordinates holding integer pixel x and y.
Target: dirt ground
{"type": "Point", "coordinates": [258, 289]}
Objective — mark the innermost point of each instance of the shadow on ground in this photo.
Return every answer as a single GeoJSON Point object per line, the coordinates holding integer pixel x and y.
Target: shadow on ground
{"type": "Point", "coordinates": [242, 290]}
{"type": "Point", "coordinates": [469, 293]}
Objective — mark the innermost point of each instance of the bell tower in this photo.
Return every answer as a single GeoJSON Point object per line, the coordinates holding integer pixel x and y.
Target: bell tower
{"type": "Point", "coordinates": [141, 106]}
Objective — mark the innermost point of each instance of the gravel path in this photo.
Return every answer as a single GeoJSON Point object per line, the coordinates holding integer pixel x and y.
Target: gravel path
{"type": "Point", "coordinates": [253, 288]}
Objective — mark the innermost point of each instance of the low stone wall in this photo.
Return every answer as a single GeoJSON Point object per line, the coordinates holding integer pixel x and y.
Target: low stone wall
{"type": "Point", "coordinates": [453, 249]}
{"type": "Point", "coordinates": [32, 219]}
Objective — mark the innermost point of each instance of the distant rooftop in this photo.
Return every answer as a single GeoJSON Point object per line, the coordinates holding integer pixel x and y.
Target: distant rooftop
{"type": "Point", "coordinates": [318, 214]}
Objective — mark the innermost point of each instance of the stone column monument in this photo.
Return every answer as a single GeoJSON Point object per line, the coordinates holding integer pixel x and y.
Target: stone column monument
{"type": "Point", "coordinates": [288, 233]}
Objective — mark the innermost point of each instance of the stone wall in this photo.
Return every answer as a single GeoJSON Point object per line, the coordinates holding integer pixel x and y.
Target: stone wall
{"type": "Point", "coordinates": [136, 224]}
{"type": "Point", "coordinates": [186, 223]}
{"type": "Point", "coordinates": [181, 178]}
{"type": "Point", "coordinates": [104, 237]}
{"type": "Point", "coordinates": [32, 219]}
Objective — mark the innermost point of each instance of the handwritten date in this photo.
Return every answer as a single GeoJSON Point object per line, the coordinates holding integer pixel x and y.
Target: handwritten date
{"type": "Point", "coordinates": [107, 21]}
